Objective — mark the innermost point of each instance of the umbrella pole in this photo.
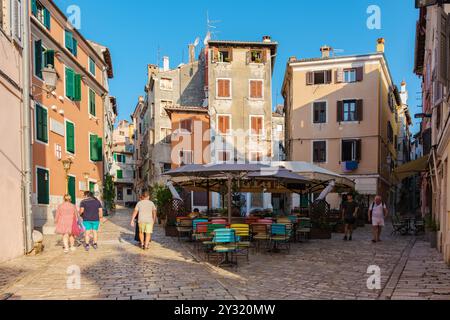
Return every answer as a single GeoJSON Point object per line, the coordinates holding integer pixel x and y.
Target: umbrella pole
{"type": "Point", "coordinates": [207, 197]}
{"type": "Point", "coordinates": [229, 199]}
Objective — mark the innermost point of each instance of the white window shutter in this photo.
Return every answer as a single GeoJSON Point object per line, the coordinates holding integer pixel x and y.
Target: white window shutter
{"type": "Point", "coordinates": [16, 20]}
{"type": "Point", "coordinates": [340, 75]}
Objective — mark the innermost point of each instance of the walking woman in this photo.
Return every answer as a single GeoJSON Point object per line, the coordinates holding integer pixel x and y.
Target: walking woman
{"type": "Point", "coordinates": [66, 223]}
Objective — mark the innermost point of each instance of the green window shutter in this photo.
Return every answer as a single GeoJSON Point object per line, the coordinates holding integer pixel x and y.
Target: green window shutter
{"type": "Point", "coordinates": [47, 18]}
{"type": "Point", "coordinates": [70, 83]}
{"type": "Point", "coordinates": [115, 157]}
{"type": "Point", "coordinates": [44, 125]}
{"type": "Point", "coordinates": [71, 188]}
{"type": "Point", "coordinates": [119, 174]}
{"type": "Point", "coordinates": [38, 58]}
{"type": "Point", "coordinates": [92, 110]}
{"type": "Point", "coordinates": [70, 137]}
{"type": "Point", "coordinates": [43, 186]}
{"type": "Point", "coordinates": [34, 7]}
{"type": "Point", "coordinates": [99, 149]}
{"type": "Point", "coordinates": [41, 124]}
{"type": "Point", "coordinates": [74, 47]}
{"type": "Point", "coordinates": [69, 41]}
{"type": "Point", "coordinates": [92, 187]}
{"type": "Point", "coordinates": [93, 147]}
{"type": "Point", "coordinates": [49, 58]}
{"type": "Point", "coordinates": [77, 87]}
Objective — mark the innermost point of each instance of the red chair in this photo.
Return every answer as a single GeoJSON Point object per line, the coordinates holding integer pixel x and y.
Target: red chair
{"type": "Point", "coordinates": [264, 221]}
{"type": "Point", "coordinates": [219, 221]}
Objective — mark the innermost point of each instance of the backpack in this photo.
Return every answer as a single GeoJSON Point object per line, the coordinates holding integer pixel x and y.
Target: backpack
{"type": "Point", "coordinates": [373, 205]}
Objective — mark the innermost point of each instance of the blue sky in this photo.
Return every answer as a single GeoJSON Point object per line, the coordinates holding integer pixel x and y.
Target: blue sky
{"type": "Point", "coordinates": [135, 29]}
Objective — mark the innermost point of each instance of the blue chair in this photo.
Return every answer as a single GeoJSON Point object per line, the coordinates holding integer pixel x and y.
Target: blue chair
{"type": "Point", "coordinates": [280, 234]}
{"type": "Point", "coordinates": [225, 244]}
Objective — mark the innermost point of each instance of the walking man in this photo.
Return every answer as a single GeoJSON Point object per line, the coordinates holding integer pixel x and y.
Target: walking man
{"type": "Point", "coordinates": [349, 214]}
{"type": "Point", "coordinates": [92, 213]}
{"type": "Point", "coordinates": [378, 212]}
{"type": "Point", "coordinates": [146, 210]}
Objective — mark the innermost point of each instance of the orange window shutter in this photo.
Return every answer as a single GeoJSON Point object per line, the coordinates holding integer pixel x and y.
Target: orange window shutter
{"type": "Point", "coordinates": [252, 89]}
{"type": "Point", "coordinates": [220, 88]}
{"type": "Point", "coordinates": [227, 124]}
{"type": "Point", "coordinates": [259, 125]}
{"type": "Point", "coordinates": [227, 88]}
{"type": "Point", "coordinates": [259, 89]}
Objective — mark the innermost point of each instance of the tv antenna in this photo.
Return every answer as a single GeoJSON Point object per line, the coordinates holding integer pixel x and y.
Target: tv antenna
{"type": "Point", "coordinates": [337, 51]}
{"type": "Point", "coordinates": [210, 25]}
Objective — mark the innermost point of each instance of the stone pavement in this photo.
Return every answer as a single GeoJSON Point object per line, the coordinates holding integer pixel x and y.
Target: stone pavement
{"type": "Point", "coordinates": [323, 269]}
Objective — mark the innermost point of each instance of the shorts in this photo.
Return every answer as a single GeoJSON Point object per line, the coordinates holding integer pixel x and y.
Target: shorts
{"type": "Point", "coordinates": [91, 225]}
{"type": "Point", "coordinates": [146, 228]}
{"type": "Point", "coordinates": [350, 221]}
{"type": "Point", "coordinates": [377, 222]}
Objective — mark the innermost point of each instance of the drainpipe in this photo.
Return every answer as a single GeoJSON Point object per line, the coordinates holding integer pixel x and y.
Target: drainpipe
{"type": "Point", "coordinates": [26, 129]}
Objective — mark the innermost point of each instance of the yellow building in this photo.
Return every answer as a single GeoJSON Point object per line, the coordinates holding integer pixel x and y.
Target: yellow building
{"type": "Point", "coordinates": [341, 114]}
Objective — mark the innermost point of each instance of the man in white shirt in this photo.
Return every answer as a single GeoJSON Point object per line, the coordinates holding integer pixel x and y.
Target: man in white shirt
{"type": "Point", "coordinates": [378, 212]}
{"type": "Point", "coordinates": [147, 217]}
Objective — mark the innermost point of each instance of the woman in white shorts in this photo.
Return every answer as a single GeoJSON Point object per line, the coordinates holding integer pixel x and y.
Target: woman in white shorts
{"type": "Point", "coordinates": [377, 214]}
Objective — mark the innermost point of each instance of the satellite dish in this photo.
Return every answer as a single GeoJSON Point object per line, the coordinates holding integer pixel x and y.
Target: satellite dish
{"type": "Point", "coordinates": [197, 41]}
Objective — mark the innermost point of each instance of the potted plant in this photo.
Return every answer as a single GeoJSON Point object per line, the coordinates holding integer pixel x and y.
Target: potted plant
{"type": "Point", "coordinates": [161, 196]}
{"type": "Point", "coordinates": [432, 228]}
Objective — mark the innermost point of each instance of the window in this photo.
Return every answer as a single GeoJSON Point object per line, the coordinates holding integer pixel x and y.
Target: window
{"type": "Point", "coordinates": [350, 110]}
{"type": "Point", "coordinates": [92, 66]}
{"type": "Point", "coordinates": [224, 124]}
{"type": "Point", "coordinates": [41, 124]}
{"type": "Point", "coordinates": [95, 148]}
{"type": "Point", "coordinates": [186, 157]}
{"type": "Point", "coordinates": [119, 158]}
{"type": "Point", "coordinates": [120, 194]}
{"type": "Point", "coordinates": [280, 128]}
{"type": "Point", "coordinates": [58, 151]}
{"type": "Point", "coordinates": [73, 85]}
{"type": "Point", "coordinates": [222, 55]}
{"type": "Point", "coordinates": [257, 124]}
{"type": "Point", "coordinates": [256, 56]}
{"type": "Point", "coordinates": [129, 192]}
{"type": "Point", "coordinates": [119, 174]}
{"type": "Point", "coordinates": [256, 156]}
{"type": "Point", "coordinates": [319, 151]}
{"type": "Point", "coordinates": [351, 150]}
{"type": "Point", "coordinates": [122, 133]}
{"type": "Point", "coordinates": [166, 135]}
{"type": "Point", "coordinates": [166, 167]}
{"type": "Point", "coordinates": [43, 186]}
{"type": "Point", "coordinates": [92, 108]}
{"type": "Point", "coordinates": [186, 126]}
{"type": "Point", "coordinates": [42, 58]}
{"type": "Point", "coordinates": [41, 13]}
{"type": "Point", "coordinates": [256, 89]}
{"type": "Point", "coordinates": [166, 84]}
{"type": "Point", "coordinates": [390, 132]}
{"type": "Point", "coordinates": [318, 77]}
{"type": "Point", "coordinates": [70, 137]}
{"type": "Point", "coordinates": [223, 88]}
{"type": "Point", "coordinates": [71, 43]}
{"type": "Point", "coordinates": [163, 105]}
{"type": "Point", "coordinates": [320, 112]}
{"type": "Point", "coordinates": [350, 75]}
{"type": "Point", "coordinates": [223, 156]}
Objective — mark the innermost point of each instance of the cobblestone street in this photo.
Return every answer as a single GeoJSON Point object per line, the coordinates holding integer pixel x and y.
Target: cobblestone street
{"type": "Point", "coordinates": [316, 270]}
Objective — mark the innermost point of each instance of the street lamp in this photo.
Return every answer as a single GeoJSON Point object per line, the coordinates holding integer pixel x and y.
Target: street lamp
{"type": "Point", "coordinates": [67, 164]}
{"type": "Point", "coordinates": [50, 77]}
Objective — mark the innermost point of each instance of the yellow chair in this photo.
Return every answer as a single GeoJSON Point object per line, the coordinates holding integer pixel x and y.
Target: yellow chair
{"type": "Point", "coordinates": [243, 235]}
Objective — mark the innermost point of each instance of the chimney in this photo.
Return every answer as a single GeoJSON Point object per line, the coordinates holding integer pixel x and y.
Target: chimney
{"type": "Point", "coordinates": [267, 39]}
{"type": "Point", "coordinates": [151, 71]}
{"type": "Point", "coordinates": [326, 51]}
{"type": "Point", "coordinates": [292, 59]}
{"type": "Point", "coordinates": [191, 53]}
{"type": "Point", "coordinates": [166, 63]}
{"type": "Point", "coordinates": [380, 45]}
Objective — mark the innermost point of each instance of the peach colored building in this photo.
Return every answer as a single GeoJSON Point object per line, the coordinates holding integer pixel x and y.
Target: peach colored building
{"type": "Point", "coordinates": [190, 142]}
{"type": "Point", "coordinates": [341, 114]}
{"type": "Point", "coordinates": [68, 122]}
{"type": "Point", "coordinates": [11, 84]}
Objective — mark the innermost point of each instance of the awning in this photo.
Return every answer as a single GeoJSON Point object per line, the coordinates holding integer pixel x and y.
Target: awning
{"type": "Point", "coordinates": [411, 168]}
